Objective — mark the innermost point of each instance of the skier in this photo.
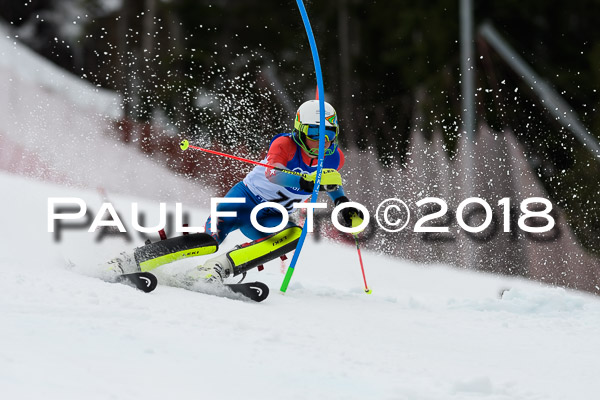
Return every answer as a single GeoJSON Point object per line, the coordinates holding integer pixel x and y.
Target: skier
{"type": "Point", "coordinates": [295, 155]}
{"type": "Point", "coordinates": [295, 151]}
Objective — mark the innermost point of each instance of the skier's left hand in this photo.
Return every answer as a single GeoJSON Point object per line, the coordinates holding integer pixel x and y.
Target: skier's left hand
{"type": "Point", "coordinates": [352, 216]}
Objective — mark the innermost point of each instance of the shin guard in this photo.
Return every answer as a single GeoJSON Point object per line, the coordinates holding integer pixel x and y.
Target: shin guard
{"type": "Point", "coordinates": [260, 251]}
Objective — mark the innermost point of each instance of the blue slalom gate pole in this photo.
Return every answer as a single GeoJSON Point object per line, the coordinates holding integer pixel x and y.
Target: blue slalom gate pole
{"type": "Point", "coordinates": [321, 91]}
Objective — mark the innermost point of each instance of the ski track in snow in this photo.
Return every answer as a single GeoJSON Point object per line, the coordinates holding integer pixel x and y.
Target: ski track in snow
{"type": "Point", "coordinates": [426, 332]}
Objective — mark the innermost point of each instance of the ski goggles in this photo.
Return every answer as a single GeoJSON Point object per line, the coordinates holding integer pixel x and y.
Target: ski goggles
{"type": "Point", "coordinates": [312, 132]}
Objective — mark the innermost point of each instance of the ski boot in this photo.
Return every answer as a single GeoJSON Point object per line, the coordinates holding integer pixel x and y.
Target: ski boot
{"type": "Point", "coordinates": [246, 256]}
{"type": "Point", "coordinates": [214, 270]}
{"type": "Point", "coordinates": [124, 263]}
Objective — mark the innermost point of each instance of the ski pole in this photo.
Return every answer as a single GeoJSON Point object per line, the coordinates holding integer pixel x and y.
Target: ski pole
{"type": "Point", "coordinates": [367, 290]}
{"type": "Point", "coordinates": [184, 145]}
{"type": "Point", "coordinates": [362, 268]}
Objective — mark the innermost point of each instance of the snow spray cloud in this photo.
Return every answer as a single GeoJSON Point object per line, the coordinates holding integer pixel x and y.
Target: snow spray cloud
{"type": "Point", "coordinates": [391, 215]}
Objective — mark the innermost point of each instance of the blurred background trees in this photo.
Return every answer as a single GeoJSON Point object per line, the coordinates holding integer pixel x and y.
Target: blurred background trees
{"type": "Point", "coordinates": [234, 72]}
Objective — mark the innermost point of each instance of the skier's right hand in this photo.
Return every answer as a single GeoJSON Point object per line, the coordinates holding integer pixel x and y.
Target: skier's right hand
{"type": "Point", "coordinates": [352, 217]}
{"type": "Point", "coordinates": [330, 180]}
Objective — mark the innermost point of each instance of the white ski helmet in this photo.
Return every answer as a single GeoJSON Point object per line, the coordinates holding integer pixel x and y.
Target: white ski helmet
{"type": "Point", "coordinates": [307, 124]}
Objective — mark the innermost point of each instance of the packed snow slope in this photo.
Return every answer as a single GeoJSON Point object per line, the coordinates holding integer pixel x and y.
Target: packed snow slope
{"type": "Point", "coordinates": [426, 332]}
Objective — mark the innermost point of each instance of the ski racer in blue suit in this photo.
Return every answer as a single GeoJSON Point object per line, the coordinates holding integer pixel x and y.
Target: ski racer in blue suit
{"type": "Point", "coordinates": [296, 151]}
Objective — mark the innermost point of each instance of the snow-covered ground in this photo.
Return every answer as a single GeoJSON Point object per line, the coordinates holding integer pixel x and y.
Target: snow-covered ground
{"type": "Point", "coordinates": [426, 332]}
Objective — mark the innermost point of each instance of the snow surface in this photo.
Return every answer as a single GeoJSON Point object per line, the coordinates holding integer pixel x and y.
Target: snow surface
{"type": "Point", "coordinates": [426, 332]}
